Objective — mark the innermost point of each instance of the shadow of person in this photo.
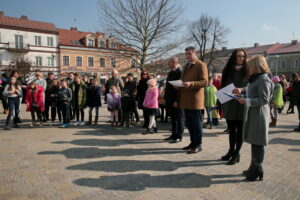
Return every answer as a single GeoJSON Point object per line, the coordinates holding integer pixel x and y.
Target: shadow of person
{"type": "Point", "coordinates": [92, 152]}
{"type": "Point", "coordinates": [138, 182]}
{"type": "Point", "coordinates": [123, 166]}
{"type": "Point", "coordinates": [285, 141]}
{"type": "Point", "coordinates": [105, 142]}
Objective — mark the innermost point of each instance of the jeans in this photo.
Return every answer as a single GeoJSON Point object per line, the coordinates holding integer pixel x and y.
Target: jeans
{"type": "Point", "coordinates": [65, 110]}
{"type": "Point", "coordinates": [91, 111]}
{"type": "Point", "coordinates": [257, 154]}
{"type": "Point", "coordinates": [177, 122]}
{"type": "Point", "coordinates": [78, 110]}
{"type": "Point", "coordinates": [194, 125]}
{"type": "Point", "coordinates": [13, 105]}
{"type": "Point", "coordinates": [209, 115]}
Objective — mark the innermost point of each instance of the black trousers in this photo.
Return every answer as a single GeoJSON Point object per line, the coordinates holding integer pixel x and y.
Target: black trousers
{"type": "Point", "coordinates": [38, 113]}
{"type": "Point", "coordinates": [235, 128]}
{"type": "Point", "coordinates": [146, 117]}
{"type": "Point", "coordinates": [65, 111]}
{"type": "Point", "coordinates": [47, 107]}
{"type": "Point", "coordinates": [54, 110]}
{"type": "Point", "coordinates": [177, 121]}
{"type": "Point", "coordinates": [78, 111]}
{"type": "Point", "coordinates": [4, 103]}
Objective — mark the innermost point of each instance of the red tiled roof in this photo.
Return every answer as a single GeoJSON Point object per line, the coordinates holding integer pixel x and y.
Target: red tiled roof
{"type": "Point", "coordinates": [287, 48]}
{"type": "Point", "coordinates": [258, 50]}
{"type": "Point", "coordinates": [67, 36]}
{"type": "Point", "coordinates": [27, 24]}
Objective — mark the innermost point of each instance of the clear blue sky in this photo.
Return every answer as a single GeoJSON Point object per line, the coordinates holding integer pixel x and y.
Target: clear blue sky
{"type": "Point", "coordinates": [250, 21]}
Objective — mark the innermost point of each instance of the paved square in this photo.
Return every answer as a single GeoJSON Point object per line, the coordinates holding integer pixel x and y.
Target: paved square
{"type": "Point", "coordinates": [103, 162]}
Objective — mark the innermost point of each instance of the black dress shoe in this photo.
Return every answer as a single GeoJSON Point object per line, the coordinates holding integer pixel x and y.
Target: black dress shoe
{"type": "Point", "coordinates": [176, 140]}
{"type": "Point", "coordinates": [195, 150]}
{"type": "Point", "coordinates": [234, 159]}
{"type": "Point", "coordinates": [227, 156]}
{"type": "Point", "coordinates": [189, 147]}
{"type": "Point", "coordinates": [169, 138]}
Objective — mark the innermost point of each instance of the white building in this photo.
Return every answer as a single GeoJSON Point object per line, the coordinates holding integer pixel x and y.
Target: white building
{"type": "Point", "coordinates": [32, 41]}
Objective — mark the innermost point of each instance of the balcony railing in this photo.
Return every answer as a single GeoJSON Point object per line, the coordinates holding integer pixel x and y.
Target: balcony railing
{"type": "Point", "coordinates": [19, 47]}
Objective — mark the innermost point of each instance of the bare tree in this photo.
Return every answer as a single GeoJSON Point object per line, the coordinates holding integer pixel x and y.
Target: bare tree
{"type": "Point", "coordinates": [146, 25]}
{"type": "Point", "coordinates": [209, 34]}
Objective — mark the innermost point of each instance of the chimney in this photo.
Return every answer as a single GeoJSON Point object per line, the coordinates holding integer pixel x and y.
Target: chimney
{"type": "Point", "coordinates": [24, 17]}
{"type": "Point", "coordinates": [1, 13]}
{"type": "Point", "coordinates": [256, 44]}
{"type": "Point", "coordinates": [224, 48]}
{"type": "Point", "coordinates": [73, 28]}
{"type": "Point", "coordinates": [294, 42]}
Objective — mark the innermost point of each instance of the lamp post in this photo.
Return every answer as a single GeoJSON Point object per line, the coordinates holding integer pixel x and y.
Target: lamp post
{"type": "Point", "coordinates": [277, 63]}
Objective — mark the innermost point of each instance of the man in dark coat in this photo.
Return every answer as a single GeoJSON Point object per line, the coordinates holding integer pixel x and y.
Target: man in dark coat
{"type": "Point", "coordinates": [170, 97]}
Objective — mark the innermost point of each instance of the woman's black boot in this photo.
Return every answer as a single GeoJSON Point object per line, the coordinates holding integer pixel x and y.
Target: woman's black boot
{"type": "Point", "coordinates": [234, 159]}
{"type": "Point", "coordinates": [255, 171]}
{"type": "Point", "coordinates": [227, 156]}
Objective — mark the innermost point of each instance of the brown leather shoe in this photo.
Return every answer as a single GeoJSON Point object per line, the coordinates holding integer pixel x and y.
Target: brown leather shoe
{"type": "Point", "coordinates": [195, 150]}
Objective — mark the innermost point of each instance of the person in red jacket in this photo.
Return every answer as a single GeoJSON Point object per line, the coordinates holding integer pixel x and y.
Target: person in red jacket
{"type": "Point", "coordinates": [35, 102]}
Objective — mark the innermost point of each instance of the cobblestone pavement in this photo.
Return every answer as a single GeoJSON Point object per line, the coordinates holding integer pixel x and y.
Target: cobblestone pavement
{"type": "Point", "coordinates": [102, 162]}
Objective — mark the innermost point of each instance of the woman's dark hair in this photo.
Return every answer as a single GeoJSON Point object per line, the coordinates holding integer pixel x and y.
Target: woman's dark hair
{"type": "Point", "coordinates": [145, 72]}
{"type": "Point", "coordinates": [295, 77]}
{"type": "Point", "coordinates": [230, 65]}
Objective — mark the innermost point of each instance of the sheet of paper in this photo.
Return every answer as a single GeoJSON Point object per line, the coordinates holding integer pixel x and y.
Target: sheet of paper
{"type": "Point", "coordinates": [177, 83]}
{"type": "Point", "coordinates": [225, 94]}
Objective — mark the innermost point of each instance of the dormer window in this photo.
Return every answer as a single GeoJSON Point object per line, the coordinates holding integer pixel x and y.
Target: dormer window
{"type": "Point", "coordinates": [90, 42]}
{"type": "Point", "coordinates": [113, 45]}
{"type": "Point", "coordinates": [102, 43]}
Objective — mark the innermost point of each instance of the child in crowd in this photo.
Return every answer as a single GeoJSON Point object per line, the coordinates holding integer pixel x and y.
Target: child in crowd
{"type": "Point", "coordinates": [64, 99]}
{"type": "Point", "coordinates": [113, 100]}
{"type": "Point", "coordinates": [127, 107]}
{"type": "Point", "coordinates": [151, 105]}
{"type": "Point", "coordinates": [94, 100]}
{"type": "Point", "coordinates": [277, 100]}
{"type": "Point", "coordinates": [13, 92]}
{"type": "Point", "coordinates": [53, 94]}
{"type": "Point", "coordinates": [210, 101]}
{"type": "Point", "coordinates": [35, 102]}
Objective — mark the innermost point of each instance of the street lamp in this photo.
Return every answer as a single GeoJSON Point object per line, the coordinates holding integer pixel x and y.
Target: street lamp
{"type": "Point", "coordinates": [277, 63]}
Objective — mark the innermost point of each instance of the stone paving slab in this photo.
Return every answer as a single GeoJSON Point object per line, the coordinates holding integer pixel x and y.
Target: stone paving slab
{"type": "Point", "coordinates": [103, 162]}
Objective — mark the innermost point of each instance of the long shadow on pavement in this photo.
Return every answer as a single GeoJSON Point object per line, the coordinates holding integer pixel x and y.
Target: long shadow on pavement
{"type": "Point", "coordinates": [123, 166]}
{"type": "Point", "coordinates": [84, 153]}
{"type": "Point", "coordinates": [139, 182]}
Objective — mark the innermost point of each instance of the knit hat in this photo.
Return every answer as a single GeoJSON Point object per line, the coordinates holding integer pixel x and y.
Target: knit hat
{"type": "Point", "coordinates": [276, 79]}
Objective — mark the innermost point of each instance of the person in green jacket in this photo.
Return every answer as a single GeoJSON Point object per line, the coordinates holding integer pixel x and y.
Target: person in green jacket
{"type": "Point", "coordinates": [277, 100]}
{"type": "Point", "coordinates": [210, 101]}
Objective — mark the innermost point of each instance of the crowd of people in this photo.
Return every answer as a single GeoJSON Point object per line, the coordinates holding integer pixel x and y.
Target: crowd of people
{"type": "Point", "coordinates": [259, 98]}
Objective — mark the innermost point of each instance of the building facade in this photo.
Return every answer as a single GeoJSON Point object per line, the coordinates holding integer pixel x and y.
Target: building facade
{"type": "Point", "coordinates": [94, 54]}
{"type": "Point", "coordinates": [29, 41]}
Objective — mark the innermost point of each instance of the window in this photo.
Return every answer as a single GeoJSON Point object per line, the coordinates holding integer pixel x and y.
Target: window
{"type": "Point", "coordinates": [91, 62]}
{"type": "Point", "coordinates": [0, 59]}
{"type": "Point", "coordinates": [113, 62]}
{"type": "Point", "coordinates": [50, 41]}
{"type": "Point", "coordinates": [283, 64]}
{"type": "Point", "coordinates": [50, 61]}
{"type": "Point", "coordinates": [65, 60]}
{"type": "Point", "coordinates": [113, 45]}
{"type": "Point", "coordinates": [38, 40]}
{"type": "Point", "coordinates": [19, 41]}
{"type": "Point", "coordinates": [102, 44]}
{"type": "Point", "coordinates": [90, 42]}
{"type": "Point", "coordinates": [102, 62]}
{"type": "Point", "coordinates": [295, 63]}
{"type": "Point", "coordinates": [78, 61]}
{"type": "Point", "coordinates": [38, 60]}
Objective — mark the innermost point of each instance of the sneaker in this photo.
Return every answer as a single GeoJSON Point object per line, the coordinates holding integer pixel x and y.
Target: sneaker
{"type": "Point", "coordinates": [65, 125]}
{"type": "Point", "coordinates": [5, 112]}
{"type": "Point", "coordinates": [41, 124]}
{"type": "Point", "coordinates": [52, 124]}
{"type": "Point", "coordinates": [76, 123]}
{"type": "Point", "coordinates": [82, 123]}
{"type": "Point", "coordinates": [32, 124]}
{"type": "Point", "coordinates": [7, 127]}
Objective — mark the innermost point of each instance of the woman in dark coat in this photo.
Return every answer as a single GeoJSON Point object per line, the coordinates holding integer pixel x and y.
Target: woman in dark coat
{"type": "Point", "coordinates": [141, 93]}
{"type": "Point", "coordinates": [296, 95]}
{"type": "Point", "coordinates": [94, 100]}
{"type": "Point", "coordinates": [234, 72]}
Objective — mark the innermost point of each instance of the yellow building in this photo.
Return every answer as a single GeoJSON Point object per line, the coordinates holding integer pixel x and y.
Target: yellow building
{"type": "Point", "coordinates": [94, 54]}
